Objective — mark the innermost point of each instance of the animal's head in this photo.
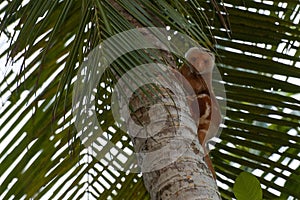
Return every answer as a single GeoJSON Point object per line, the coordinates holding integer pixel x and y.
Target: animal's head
{"type": "Point", "coordinates": [201, 59]}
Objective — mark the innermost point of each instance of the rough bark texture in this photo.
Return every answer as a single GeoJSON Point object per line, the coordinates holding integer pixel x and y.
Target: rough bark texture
{"type": "Point", "coordinates": [176, 172]}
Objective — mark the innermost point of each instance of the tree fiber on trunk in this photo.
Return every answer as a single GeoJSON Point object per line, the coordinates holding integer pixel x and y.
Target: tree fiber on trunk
{"type": "Point", "coordinates": [169, 153]}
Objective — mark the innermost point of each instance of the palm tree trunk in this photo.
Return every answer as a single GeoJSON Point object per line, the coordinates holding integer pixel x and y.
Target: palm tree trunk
{"type": "Point", "coordinates": [169, 153]}
{"type": "Point", "coordinates": [170, 157]}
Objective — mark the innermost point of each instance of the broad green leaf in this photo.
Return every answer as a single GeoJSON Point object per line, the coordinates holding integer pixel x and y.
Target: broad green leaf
{"type": "Point", "coordinates": [247, 187]}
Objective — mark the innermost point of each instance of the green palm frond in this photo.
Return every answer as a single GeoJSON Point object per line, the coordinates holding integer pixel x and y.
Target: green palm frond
{"type": "Point", "coordinates": [257, 46]}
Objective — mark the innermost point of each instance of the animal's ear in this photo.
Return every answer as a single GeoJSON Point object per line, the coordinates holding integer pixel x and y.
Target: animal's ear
{"type": "Point", "coordinates": [212, 55]}
{"type": "Point", "coordinates": [192, 49]}
{"type": "Point", "coordinates": [199, 49]}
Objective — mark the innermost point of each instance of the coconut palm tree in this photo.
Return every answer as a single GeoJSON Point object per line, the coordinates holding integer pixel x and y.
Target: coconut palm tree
{"type": "Point", "coordinates": [45, 44]}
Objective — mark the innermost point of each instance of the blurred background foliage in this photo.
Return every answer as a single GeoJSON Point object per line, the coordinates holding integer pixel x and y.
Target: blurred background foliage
{"type": "Point", "coordinates": [43, 43]}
